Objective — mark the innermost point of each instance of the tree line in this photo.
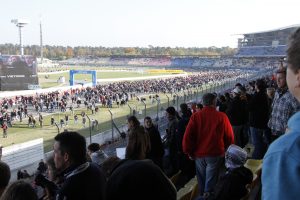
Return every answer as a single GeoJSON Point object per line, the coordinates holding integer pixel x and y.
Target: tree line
{"type": "Point", "coordinates": [61, 52]}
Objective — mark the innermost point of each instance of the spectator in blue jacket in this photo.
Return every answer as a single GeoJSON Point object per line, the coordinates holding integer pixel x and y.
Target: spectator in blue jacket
{"type": "Point", "coordinates": [281, 174]}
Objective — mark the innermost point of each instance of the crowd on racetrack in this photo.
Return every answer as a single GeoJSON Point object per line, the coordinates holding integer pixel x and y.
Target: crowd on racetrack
{"type": "Point", "coordinates": [118, 93]}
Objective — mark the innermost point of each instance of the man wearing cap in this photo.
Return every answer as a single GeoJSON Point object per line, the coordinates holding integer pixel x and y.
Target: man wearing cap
{"type": "Point", "coordinates": [283, 107]}
{"type": "Point", "coordinates": [207, 136]}
{"type": "Point", "coordinates": [238, 115]}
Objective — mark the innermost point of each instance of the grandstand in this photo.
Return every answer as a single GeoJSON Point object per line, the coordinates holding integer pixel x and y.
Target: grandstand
{"type": "Point", "coordinates": [271, 43]}
{"type": "Point", "coordinates": [259, 50]}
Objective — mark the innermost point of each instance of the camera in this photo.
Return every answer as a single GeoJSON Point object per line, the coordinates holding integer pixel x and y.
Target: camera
{"type": "Point", "coordinates": [42, 181]}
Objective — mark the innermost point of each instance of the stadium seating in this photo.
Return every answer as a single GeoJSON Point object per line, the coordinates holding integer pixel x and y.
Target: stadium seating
{"type": "Point", "coordinates": [262, 51]}
{"type": "Point", "coordinates": [254, 166]}
{"type": "Point", "coordinates": [189, 191]}
{"type": "Point", "coordinates": [175, 177]}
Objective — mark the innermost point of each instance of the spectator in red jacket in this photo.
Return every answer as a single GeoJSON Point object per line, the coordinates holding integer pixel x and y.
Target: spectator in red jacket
{"type": "Point", "coordinates": [206, 139]}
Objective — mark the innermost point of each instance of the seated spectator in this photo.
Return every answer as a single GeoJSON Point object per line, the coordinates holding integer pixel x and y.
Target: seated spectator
{"type": "Point", "coordinates": [70, 159]}
{"type": "Point", "coordinates": [22, 174]}
{"type": "Point", "coordinates": [42, 167]}
{"type": "Point", "coordinates": [139, 179]}
{"type": "Point", "coordinates": [49, 185]}
{"type": "Point", "coordinates": [19, 190]}
{"type": "Point", "coordinates": [97, 156]}
{"type": "Point", "coordinates": [4, 176]}
{"type": "Point", "coordinates": [232, 185]}
{"type": "Point", "coordinates": [109, 164]}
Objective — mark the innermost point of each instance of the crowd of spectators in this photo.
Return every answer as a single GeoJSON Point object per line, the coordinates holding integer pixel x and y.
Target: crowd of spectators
{"type": "Point", "coordinates": [262, 51]}
{"type": "Point", "coordinates": [119, 93]}
{"type": "Point", "coordinates": [238, 61]}
{"type": "Point", "coordinates": [186, 147]}
{"type": "Point", "coordinates": [209, 142]}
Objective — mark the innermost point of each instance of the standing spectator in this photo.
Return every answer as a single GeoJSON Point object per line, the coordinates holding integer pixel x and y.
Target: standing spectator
{"type": "Point", "coordinates": [4, 127]}
{"type": "Point", "coordinates": [67, 119]}
{"type": "Point", "coordinates": [199, 107]}
{"type": "Point", "coordinates": [207, 136]}
{"type": "Point", "coordinates": [171, 142]}
{"type": "Point", "coordinates": [222, 104]}
{"type": "Point", "coordinates": [62, 122]}
{"type": "Point", "coordinates": [238, 114]}
{"type": "Point", "coordinates": [280, 171]}
{"type": "Point", "coordinates": [283, 107]}
{"type": "Point", "coordinates": [30, 120]}
{"type": "Point", "coordinates": [75, 119]}
{"type": "Point", "coordinates": [19, 114]}
{"type": "Point", "coordinates": [157, 150]}
{"type": "Point", "coordinates": [133, 123]}
{"type": "Point", "coordinates": [138, 140]}
{"type": "Point", "coordinates": [72, 109]}
{"type": "Point", "coordinates": [82, 180]}
{"type": "Point", "coordinates": [186, 165]}
{"type": "Point", "coordinates": [52, 120]}
{"type": "Point", "coordinates": [41, 120]}
{"type": "Point", "coordinates": [182, 123]}
{"type": "Point", "coordinates": [258, 119]}
{"type": "Point", "coordinates": [33, 122]}
{"type": "Point", "coordinates": [83, 121]}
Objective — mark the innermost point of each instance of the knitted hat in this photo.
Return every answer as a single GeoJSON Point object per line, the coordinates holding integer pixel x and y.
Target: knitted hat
{"type": "Point", "coordinates": [235, 156]}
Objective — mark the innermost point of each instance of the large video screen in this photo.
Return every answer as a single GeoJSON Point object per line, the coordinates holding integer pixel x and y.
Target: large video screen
{"type": "Point", "coordinates": [18, 72]}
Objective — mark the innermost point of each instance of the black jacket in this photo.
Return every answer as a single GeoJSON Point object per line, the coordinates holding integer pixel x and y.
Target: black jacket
{"type": "Point", "coordinates": [232, 185]}
{"type": "Point", "coordinates": [83, 182]}
{"type": "Point", "coordinates": [182, 124]}
{"type": "Point", "coordinates": [237, 112]}
{"type": "Point", "coordinates": [259, 110]}
{"type": "Point", "coordinates": [157, 150]}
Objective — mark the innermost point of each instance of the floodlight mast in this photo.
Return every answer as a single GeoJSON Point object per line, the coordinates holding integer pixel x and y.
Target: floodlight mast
{"type": "Point", "coordinates": [20, 24]}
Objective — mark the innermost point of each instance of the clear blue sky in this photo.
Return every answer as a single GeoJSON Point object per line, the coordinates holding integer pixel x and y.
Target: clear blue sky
{"type": "Point", "coordinates": [130, 23]}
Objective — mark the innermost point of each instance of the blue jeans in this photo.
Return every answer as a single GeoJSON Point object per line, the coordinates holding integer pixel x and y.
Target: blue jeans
{"type": "Point", "coordinates": [258, 142]}
{"type": "Point", "coordinates": [207, 170]}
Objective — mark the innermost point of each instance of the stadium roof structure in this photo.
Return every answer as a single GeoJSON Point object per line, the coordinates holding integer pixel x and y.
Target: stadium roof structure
{"type": "Point", "coordinates": [271, 43]}
{"type": "Point", "coordinates": [275, 37]}
{"type": "Point", "coordinates": [272, 30]}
